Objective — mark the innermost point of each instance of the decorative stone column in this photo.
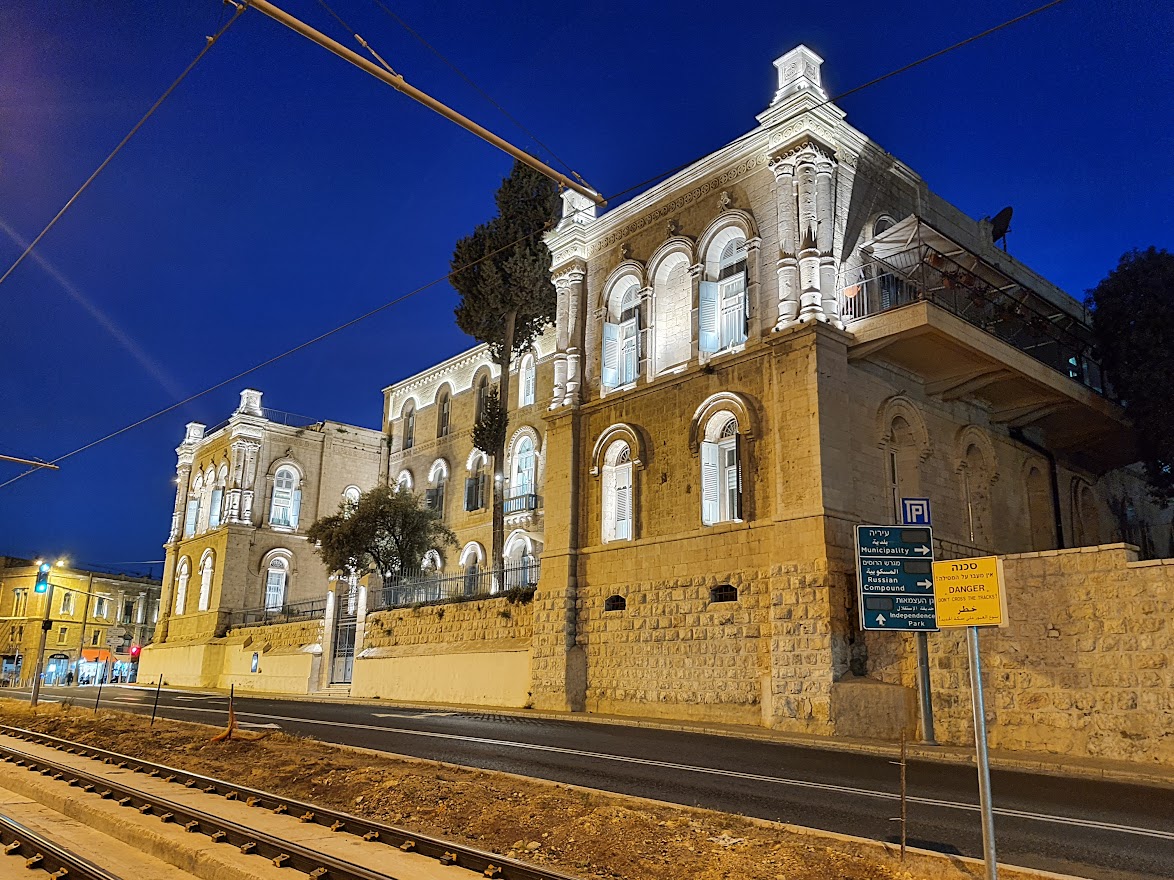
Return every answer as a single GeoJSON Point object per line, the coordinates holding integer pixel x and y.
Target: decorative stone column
{"type": "Point", "coordinates": [788, 263]}
{"type": "Point", "coordinates": [562, 286]}
{"type": "Point", "coordinates": [824, 242]}
{"type": "Point", "coordinates": [183, 477]}
{"type": "Point", "coordinates": [574, 276]}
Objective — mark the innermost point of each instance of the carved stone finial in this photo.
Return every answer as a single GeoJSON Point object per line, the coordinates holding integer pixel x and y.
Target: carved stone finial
{"type": "Point", "coordinates": [250, 402]}
{"type": "Point", "coordinates": [726, 200]}
{"type": "Point", "coordinates": [674, 226]}
{"type": "Point", "coordinates": [798, 71]}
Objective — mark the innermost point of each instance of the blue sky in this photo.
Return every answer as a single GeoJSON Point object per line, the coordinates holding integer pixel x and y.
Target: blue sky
{"type": "Point", "coordinates": [280, 192]}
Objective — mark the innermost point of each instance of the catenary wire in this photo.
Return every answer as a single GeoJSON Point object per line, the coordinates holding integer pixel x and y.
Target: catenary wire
{"type": "Point", "coordinates": [484, 94]}
{"type": "Point", "coordinates": [435, 281]}
{"type": "Point", "coordinates": [208, 44]}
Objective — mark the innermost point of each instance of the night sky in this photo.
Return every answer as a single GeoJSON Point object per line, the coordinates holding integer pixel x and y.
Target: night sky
{"type": "Point", "coordinates": [280, 192]}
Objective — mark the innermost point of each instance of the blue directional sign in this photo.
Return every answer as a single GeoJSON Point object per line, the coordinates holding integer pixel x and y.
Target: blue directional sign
{"type": "Point", "coordinates": [894, 570]}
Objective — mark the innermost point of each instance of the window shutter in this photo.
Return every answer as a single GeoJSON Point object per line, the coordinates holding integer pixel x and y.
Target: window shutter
{"type": "Point", "coordinates": [471, 486]}
{"type": "Point", "coordinates": [189, 526]}
{"type": "Point", "coordinates": [629, 352]}
{"type": "Point", "coordinates": [430, 498]}
{"type": "Point", "coordinates": [707, 316]}
{"type": "Point", "coordinates": [739, 451]}
{"type": "Point", "coordinates": [295, 508]}
{"type": "Point", "coordinates": [481, 492]}
{"type": "Point", "coordinates": [214, 510]}
{"type": "Point", "coordinates": [709, 483]}
{"type": "Point", "coordinates": [609, 368]}
{"type": "Point", "coordinates": [623, 512]}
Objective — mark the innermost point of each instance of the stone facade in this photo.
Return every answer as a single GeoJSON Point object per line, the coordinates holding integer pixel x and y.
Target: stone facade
{"type": "Point", "coordinates": [247, 491]}
{"type": "Point", "coordinates": [85, 606]}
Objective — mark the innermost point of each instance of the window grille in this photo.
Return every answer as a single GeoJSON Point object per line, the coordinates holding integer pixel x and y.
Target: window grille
{"type": "Point", "coordinates": [723, 593]}
{"type": "Point", "coordinates": [615, 603]}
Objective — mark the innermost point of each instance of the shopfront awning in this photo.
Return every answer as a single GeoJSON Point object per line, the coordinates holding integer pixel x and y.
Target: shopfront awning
{"type": "Point", "coordinates": [95, 655]}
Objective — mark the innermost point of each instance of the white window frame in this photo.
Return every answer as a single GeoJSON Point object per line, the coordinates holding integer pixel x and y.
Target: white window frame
{"type": "Point", "coordinates": [527, 381]}
{"type": "Point", "coordinates": [207, 572]}
{"type": "Point", "coordinates": [276, 583]}
{"type": "Point", "coordinates": [620, 358]}
{"type": "Point", "coordinates": [67, 602]}
{"type": "Point", "coordinates": [723, 306]}
{"type": "Point", "coordinates": [285, 506]}
{"type": "Point", "coordinates": [100, 606]}
{"type": "Point", "coordinates": [721, 471]}
{"type": "Point", "coordinates": [525, 470]}
{"type": "Point", "coordinates": [182, 576]}
{"type": "Point", "coordinates": [618, 515]}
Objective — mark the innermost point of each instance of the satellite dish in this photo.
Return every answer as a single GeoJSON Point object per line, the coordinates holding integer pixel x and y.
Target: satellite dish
{"type": "Point", "coordinates": [1001, 224]}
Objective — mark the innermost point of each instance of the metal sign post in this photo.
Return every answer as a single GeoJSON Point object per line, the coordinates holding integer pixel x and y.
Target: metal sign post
{"type": "Point", "coordinates": [970, 593]}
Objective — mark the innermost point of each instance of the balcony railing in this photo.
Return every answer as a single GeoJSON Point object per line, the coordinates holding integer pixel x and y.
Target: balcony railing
{"type": "Point", "coordinates": [979, 295]}
{"type": "Point", "coordinates": [309, 610]}
{"type": "Point", "coordinates": [426, 587]}
{"type": "Point", "coordinates": [521, 503]}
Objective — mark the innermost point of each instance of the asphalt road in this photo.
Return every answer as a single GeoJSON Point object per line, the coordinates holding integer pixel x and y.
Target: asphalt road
{"type": "Point", "coordinates": [1095, 829]}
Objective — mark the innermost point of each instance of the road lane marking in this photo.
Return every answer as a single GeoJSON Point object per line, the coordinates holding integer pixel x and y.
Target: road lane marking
{"type": "Point", "coordinates": [413, 714]}
{"type": "Point", "coordinates": [713, 771]}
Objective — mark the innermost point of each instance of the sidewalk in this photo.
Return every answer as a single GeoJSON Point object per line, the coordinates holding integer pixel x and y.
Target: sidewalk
{"type": "Point", "coordinates": [1028, 762]}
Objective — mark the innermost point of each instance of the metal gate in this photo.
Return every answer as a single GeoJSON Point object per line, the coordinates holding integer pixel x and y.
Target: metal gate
{"type": "Point", "coordinates": [344, 652]}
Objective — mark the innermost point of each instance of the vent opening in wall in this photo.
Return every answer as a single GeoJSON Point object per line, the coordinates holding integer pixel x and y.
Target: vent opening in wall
{"type": "Point", "coordinates": [615, 603]}
{"type": "Point", "coordinates": [723, 593]}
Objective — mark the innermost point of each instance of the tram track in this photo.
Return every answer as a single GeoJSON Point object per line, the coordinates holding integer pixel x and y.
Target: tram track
{"type": "Point", "coordinates": [41, 853]}
{"type": "Point", "coordinates": [280, 852]}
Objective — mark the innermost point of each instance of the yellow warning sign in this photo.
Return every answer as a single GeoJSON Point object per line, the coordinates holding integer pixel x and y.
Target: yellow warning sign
{"type": "Point", "coordinates": [969, 592]}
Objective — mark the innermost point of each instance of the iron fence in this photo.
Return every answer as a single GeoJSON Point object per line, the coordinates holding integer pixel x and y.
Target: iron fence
{"type": "Point", "coordinates": [309, 610]}
{"type": "Point", "coordinates": [424, 587]}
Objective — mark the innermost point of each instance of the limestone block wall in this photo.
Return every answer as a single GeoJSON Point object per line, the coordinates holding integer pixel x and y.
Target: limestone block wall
{"type": "Point", "coordinates": [475, 653]}
{"type": "Point", "coordinates": [279, 635]}
{"type": "Point", "coordinates": [1084, 669]}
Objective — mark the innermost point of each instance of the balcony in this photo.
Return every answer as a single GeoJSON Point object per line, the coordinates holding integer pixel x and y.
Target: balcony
{"type": "Point", "coordinates": [968, 330]}
{"type": "Point", "coordinates": [521, 503]}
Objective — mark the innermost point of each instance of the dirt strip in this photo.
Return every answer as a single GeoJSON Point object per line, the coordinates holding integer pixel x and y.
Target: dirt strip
{"type": "Point", "coordinates": [574, 830]}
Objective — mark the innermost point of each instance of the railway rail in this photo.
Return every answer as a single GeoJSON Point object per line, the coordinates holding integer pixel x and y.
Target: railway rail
{"type": "Point", "coordinates": [282, 853]}
{"type": "Point", "coordinates": [39, 852]}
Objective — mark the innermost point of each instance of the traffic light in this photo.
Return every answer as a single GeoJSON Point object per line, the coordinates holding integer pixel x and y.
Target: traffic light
{"type": "Point", "coordinates": [43, 578]}
{"type": "Point", "coordinates": [134, 651]}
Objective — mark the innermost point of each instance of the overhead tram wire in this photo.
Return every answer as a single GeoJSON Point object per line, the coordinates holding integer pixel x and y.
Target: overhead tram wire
{"type": "Point", "coordinates": [484, 94]}
{"type": "Point", "coordinates": [208, 44]}
{"type": "Point", "coordinates": [520, 239]}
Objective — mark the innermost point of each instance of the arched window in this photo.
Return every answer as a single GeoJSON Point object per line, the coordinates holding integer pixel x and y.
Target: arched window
{"type": "Point", "coordinates": [621, 339]}
{"type": "Point", "coordinates": [432, 562]}
{"type": "Point", "coordinates": [723, 593]}
{"type": "Point", "coordinates": [404, 481]}
{"type": "Point", "coordinates": [409, 425]}
{"type": "Point", "coordinates": [215, 510]}
{"type": "Point", "coordinates": [527, 379]}
{"type": "Point", "coordinates": [207, 569]}
{"type": "Point", "coordinates": [519, 561]}
{"type": "Point", "coordinates": [182, 575]}
{"type": "Point", "coordinates": [522, 482]}
{"type": "Point", "coordinates": [617, 493]}
{"type": "Point", "coordinates": [443, 411]}
{"type": "Point", "coordinates": [1086, 519]}
{"type": "Point", "coordinates": [976, 495]}
{"type": "Point", "coordinates": [472, 562]}
{"type": "Point", "coordinates": [615, 603]}
{"type": "Point", "coordinates": [1040, 510]}
{"type": "Point", "coordinates": [475, 482]}
{"type": "Point", "coordinates": [275, 582]}
{"type": "Point", "coordinates": [722, 312]}
{"type": "Point", "coordinates": [721, 470]}
{"type": "Point", "coordinates": [438, 477]}
{"type": "Point", "coordinates": [286, 507]}
{"type": "Point", "coordinates": [482, 394]}
{"type": "Point", "coordinates": [350, 495]}
{"type": "Point", "coordinates": [672, 308]}
{"type": "Point", "coordinates": [192, 516]}
{"type": "Point", "coordinates": [883, 223]}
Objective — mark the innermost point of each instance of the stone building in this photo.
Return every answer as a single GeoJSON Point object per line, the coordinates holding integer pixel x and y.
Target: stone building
{"type": "Point", "coordinates": [98, 623]}
{"type": "Point", "coordinates": [775, 344]}
{"type": "Point", "coordinates": [246, 492]}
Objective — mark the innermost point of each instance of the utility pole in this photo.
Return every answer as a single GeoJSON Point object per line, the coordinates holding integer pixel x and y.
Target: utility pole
{"type": "Point", "coordinates": [32, 462]}
{"type": "Point", "coordinates": [46, 625]}
{"type": "Point", "coordinates": [81, 647]}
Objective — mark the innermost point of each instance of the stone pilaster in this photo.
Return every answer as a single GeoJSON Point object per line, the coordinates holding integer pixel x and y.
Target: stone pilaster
{"type": "Point", "coordinates": [788, 263]}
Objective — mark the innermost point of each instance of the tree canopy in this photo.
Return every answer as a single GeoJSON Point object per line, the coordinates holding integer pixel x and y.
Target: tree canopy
{"type": "Point", "coordinates": [504, 266]}
{"type": "Point", "coordinates": [1133, 319]}
{"type": "Point", "coordinates": [388, 531]}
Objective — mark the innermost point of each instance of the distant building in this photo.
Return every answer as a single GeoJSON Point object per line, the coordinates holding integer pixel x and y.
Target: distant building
{"type": "Point", "coordinates": [98, 623]}
{"type": "Point", "coordinates": [246, 492]}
